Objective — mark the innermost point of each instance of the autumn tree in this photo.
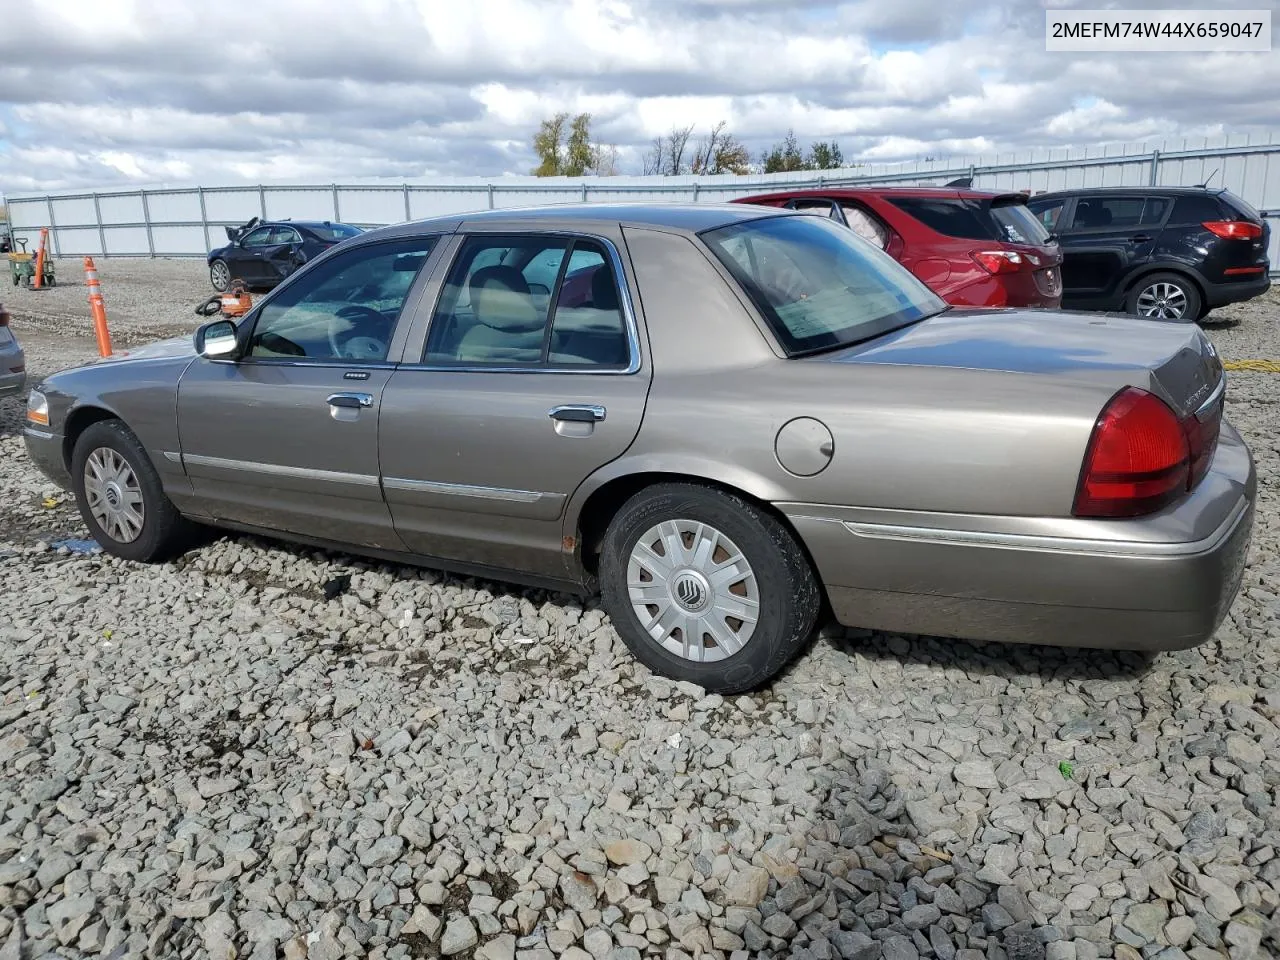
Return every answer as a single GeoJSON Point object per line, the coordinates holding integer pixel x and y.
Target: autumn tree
{"type": "Point", "coordinates": [825, 156]}
{"type": "Point", "coordinates": [548, 144]}
{"type": "Point", "coordinates": [784, 157]}
{"type": "Point", "coordinates": [720, 152]}
{"type": "Point", "coordinates": [572, 154]}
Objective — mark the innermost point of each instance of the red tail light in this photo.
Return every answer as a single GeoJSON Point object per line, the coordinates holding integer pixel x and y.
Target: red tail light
{"type": "Point", "coordinates": [1234, 229]}
{"type": "Point", "coordinates": [1138, 458]}
{"type": "Point", "coordinates": [999, 261]}
{"type": "Point", "coordinates": [1202, 441]}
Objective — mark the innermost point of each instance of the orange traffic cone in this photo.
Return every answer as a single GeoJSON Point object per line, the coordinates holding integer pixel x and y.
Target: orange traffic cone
{"type": "Point", "coordinates": [98, 307]}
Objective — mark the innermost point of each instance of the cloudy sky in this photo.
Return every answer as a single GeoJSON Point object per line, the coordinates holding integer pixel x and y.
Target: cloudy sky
{"type": "Point", "coordinates": [118, 92]}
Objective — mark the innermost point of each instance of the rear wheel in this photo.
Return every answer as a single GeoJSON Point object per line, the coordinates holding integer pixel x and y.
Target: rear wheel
{"type": "Point", "coordinates": [120, 496]}
{"type": "Point", "coordinates": [219, 275]}
{"type": "Point", "coordinates": [1165, 296]}
{"type": "Point", "coordinates": [706, 587]}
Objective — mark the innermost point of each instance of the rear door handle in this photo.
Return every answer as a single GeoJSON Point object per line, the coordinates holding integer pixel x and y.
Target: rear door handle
{"type": "Point", "coordinates": [352, 400]}
{"type": "Point", "coordinates": [577, 413]}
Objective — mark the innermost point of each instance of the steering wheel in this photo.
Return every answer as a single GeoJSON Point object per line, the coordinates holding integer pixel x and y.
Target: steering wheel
{"type": "Point", "coordinates": [359, 346]}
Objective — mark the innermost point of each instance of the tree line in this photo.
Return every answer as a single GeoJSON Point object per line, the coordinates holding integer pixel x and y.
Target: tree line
{"type": "Point", "coordinates": [565, 149]}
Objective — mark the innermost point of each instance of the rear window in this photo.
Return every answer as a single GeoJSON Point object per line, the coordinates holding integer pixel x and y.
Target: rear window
{"type": "Point", "coordinates": [1019, 225]}
{"type": "Point", "coordinates": [335, 232]}
{"type": "Point", "coordinates": [818, 284]}
{"type": "Point", "coordinates": [1195, 208]}
{"type": "Point", "coordinates": [1241, 207]}
{"type": "Point", "coordinates": [972, 219]}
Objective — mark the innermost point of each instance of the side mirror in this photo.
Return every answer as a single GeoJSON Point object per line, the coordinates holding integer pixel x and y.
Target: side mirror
{"type": "Point", "coordinates": [217, 338]}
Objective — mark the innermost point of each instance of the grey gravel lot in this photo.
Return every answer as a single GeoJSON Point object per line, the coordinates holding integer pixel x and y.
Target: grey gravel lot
{"type": "Point", "coordinates": [211, 759]}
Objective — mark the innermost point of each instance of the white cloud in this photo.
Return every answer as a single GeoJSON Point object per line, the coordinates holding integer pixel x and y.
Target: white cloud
{"type": "Point", "coordinates": [103, 92]}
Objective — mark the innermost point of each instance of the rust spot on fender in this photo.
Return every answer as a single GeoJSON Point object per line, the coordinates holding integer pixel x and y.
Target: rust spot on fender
{"type": "Point", "coordinates": [568, 544]}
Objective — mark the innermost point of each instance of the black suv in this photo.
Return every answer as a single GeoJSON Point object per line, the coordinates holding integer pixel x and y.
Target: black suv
{"type": "Point", "coordinates": [1171, 253]}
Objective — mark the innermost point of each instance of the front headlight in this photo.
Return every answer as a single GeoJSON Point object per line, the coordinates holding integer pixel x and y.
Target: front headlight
{"type": "Point", "coordinates": [37, 408]}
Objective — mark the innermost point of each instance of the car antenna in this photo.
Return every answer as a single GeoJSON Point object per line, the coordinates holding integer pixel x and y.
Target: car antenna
{"type": "Point", "coordinates": [963, 183]}
{"type": "Point", "coordinates": [1208, 179]}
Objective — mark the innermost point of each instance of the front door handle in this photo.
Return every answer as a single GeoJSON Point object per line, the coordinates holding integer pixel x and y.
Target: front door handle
{"type": "Point", "coordinates": [577, 413]}
{"type": "Point", "coordinates": [352, 400]}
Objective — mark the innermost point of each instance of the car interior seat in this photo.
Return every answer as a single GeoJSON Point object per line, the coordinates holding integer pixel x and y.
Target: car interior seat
{"type": "Point", "coordinates": [507, 326]}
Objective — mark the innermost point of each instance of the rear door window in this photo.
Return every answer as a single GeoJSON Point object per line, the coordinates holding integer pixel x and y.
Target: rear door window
{"type": "Point", "coordinates": [1108, 213]}
{"type": "Point", "coordinates": [495, 310]}
{"type": "Point", "coordinates": [949, 217]}
{"type": "Point", "coordinates": [1154, 212]}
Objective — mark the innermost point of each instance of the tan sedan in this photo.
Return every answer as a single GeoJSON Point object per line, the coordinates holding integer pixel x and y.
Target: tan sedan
{"type": "Point", "coordinates": [730, 420]}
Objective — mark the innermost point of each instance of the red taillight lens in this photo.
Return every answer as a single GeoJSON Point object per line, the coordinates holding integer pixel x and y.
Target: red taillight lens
{"type": "Point", "coordinates": [999, 261]}
{"type": "Point", "coordinates": [1202, 441]}
{"type": "Point", "coordinates": [1138, 458]}
{"type": "Point", "coordinates": [1234, 229]}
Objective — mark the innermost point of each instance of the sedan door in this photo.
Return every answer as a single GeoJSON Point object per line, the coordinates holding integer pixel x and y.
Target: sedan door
{"type": "Point", "coordinates": [1106, 238]}
{"type": "Point", "coordinates": [245, 257]}
{"type": "Point", "coordinates": [280, 255]}
{"type": "Point", "coordinates": [285, 437]}
{"type": "Point", "coordinates": [516, 400]}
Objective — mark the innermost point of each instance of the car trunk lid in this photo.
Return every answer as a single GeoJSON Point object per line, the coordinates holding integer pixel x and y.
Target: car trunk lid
{"type": "Point", "coordinates": [1176, 360]}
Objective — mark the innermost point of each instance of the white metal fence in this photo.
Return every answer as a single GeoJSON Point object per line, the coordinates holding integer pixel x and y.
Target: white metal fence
{"type": "Point", "coordinates": [187, 222]}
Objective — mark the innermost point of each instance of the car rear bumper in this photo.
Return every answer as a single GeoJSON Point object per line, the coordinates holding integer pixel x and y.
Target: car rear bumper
{"type": "Point", "coordinates": [1233, 291]}
{"type": "Point", "coordinates": [1012, 290]}
{"type": "Point", "coordinates": [13, 372]}
{"type": "Point", "coordinates": [11, 383]}
{"type": "Point", "coordinates": [951, 580]}
{"type": "Point", "coordinates": [44, 447]}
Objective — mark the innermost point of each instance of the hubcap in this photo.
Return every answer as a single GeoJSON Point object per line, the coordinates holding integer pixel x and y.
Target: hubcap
{"type": "Point", "coordinates": [1163, 301]}
{"type": "Point", "coordinates": [113, 494]}
{"type": "Point", "coordinates": [693, 590]}
{"type": "Point", "coordinates": [221, 276]}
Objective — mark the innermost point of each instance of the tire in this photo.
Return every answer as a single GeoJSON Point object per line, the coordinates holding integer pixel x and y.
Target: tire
{"type": "Point", "coordinates": [777, 573]}
{"type": "Point", "coordinates": [162, 530]}
{"type": "Point", "coordinates": [219, 275]}
{"type": "Point", "coordinates": [1164, 296]}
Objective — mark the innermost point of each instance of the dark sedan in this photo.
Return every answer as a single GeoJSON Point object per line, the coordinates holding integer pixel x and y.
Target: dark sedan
{"type": "Point", "coordinates": [262, 253]}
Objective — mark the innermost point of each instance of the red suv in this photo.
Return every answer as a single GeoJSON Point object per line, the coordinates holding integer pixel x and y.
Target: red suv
{"type": "Point", "coordinates": [971, 247]}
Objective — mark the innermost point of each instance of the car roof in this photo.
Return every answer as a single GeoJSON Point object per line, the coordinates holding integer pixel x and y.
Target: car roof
{"type": "Point", "coordinates": [1144, 191]}
{"type": "Point", "coordinates": [691, 217]}
{"type": "Point", "coordinates": [884, 190]}
{"type": "Point", "coordinates": [311, 224]}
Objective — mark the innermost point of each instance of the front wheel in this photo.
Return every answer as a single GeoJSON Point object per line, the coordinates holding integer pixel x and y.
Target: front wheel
{"type": "Point", "coordinates": [706, 587]}
{"type": "Point", "coordinates": [219, 275]}
{"type": "Point", "coordinates": [120, 495]}
{"type": "Point", "coordinates": [1165, 296]}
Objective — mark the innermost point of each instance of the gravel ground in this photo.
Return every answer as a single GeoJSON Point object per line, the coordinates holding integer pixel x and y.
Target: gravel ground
{"type": "Point", "coordinates": [243, 753]}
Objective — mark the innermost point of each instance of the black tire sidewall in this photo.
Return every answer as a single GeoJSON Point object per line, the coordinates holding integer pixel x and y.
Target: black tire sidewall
{"type": "Point", "coordinates": [789, 596]}
{"type": "Point", "coordinates": [1195, 304]}
{"type": "Point", "coordinates": [160, 517]}
{"type": "Point", "coordinates": [214, 283]}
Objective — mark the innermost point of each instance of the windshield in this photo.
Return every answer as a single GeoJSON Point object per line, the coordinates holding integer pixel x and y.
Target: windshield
{"type": "Point", "coordinates": [335, 232]}
{"type": "Point", "coordinates": [818, 284]}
